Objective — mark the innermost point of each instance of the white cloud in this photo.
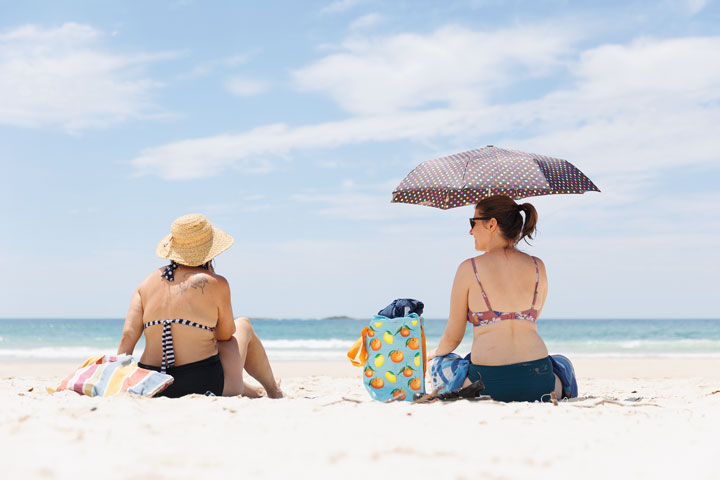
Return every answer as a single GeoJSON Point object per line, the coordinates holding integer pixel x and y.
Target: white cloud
{"type": "Point", "coordinates": [366, 21]}
{"type": "Point", "coordinates": [340, 6]}
{"type": "Point", "coordinates": [208, 156]}
{"type": "Point", "coordinates": [236, 59]}
{"type": "Point", "coordinates": [631, 206]}
{"type": "Point", "coordinates": [245, 87]}
{"type": "Point", "coordinates": [61, 77]}
{"type": "Point", "coordinates": [453, 65]}
{"type": "Point", "coordinates": [646, 105]}
{"type": "Point", "coordinates": [632, 140]}
{"type": "Point", "coordinates": [366, 202]}
{"type": "Point", "coordinates": [689, 67]}
{"type": "Point", "coordinates": [246, 204]}
{"type": "Point", "coordinates": [694, 6]}
{"type": "Point", "coordinates": [363, 206]}
{"type": "Point", "coordinates": [210, 66]}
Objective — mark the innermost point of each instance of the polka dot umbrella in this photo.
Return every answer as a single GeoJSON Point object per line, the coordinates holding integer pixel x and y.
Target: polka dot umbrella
{"type": "Point", "coordinates": [468, 177]}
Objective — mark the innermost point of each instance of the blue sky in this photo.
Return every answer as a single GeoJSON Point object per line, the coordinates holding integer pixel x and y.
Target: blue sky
{"type": "Point", "coordinates": [288, 124]}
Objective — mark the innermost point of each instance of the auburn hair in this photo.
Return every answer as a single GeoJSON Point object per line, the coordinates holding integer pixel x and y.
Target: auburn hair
{"type": "Point", "coordinates": [507, 213]}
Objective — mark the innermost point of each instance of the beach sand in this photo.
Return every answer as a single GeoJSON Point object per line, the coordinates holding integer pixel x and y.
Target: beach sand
{"type": "Point", "coordinates": [636, 418]}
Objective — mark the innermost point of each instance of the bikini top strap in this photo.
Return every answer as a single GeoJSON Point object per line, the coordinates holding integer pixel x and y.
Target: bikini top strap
{"type": "Point", "coordinates": [482, 290]}
{"type": "Point", "coordinates": [180, 321]}
{"type": "Point", "coordinates": [168, 350]}
{"type": "Point", "coordinates": [169, 271]}
{"type": "Point", "coordinates": [537, 281]}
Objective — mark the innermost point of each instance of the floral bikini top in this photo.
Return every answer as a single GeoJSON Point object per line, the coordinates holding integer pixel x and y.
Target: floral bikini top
{"type": "Point", "coordinates": [479, 319]}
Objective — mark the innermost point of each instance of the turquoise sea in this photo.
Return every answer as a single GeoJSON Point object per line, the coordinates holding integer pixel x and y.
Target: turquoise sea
{"type": "Point", "coordinates": [329, 339]}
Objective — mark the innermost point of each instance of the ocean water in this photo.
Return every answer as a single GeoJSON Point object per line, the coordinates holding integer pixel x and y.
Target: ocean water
{"type": "Point", "coordinates": [294, 339]}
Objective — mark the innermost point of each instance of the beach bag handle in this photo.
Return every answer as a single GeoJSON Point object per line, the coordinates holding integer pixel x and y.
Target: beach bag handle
{"type": "Point", "coordinates": [358, 354]}
{"type": "Point", "coordinates": [424, 347]}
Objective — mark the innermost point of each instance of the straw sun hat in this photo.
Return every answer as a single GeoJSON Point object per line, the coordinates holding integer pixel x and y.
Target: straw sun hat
{"type": "Point", "coordinates": [193, 241]}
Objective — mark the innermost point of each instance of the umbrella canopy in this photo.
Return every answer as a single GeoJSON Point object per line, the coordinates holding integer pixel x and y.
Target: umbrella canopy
{"type": "Point", "coordinates": [468, 177]}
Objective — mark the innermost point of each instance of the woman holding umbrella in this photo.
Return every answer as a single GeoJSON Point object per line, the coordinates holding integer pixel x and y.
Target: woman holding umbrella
{"type": "Point", "coordinates": [501, 294]}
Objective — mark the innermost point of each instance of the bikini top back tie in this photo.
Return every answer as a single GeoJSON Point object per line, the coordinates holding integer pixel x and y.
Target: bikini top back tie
{"type": "Point", "coordinates": [168, 355]}
{"type": "Point", "coordinates": [169, 271]}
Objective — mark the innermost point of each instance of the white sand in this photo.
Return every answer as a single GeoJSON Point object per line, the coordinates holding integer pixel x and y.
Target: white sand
{"type": "Point", "coordinates": [648, 418]}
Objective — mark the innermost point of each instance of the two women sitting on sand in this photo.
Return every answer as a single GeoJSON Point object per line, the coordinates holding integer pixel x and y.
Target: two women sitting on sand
{"type": "Point", "coordinates": [185, 312]}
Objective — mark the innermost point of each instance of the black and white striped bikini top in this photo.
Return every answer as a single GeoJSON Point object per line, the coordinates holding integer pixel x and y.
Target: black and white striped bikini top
{"type": "Point", "coordinates": [168, 356]}
{"type": "Point", "coordinates": [168, 353]}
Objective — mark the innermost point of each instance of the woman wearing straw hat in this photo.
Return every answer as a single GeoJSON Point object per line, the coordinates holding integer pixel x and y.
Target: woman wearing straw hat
{"type": "Point", "coordinates": [185, 312]}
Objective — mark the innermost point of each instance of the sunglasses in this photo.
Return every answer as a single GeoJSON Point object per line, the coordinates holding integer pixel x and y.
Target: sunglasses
{"type": "Point", "coordinates": [474, 219]}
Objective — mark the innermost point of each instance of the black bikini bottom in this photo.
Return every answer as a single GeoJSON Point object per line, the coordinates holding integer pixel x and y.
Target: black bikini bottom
{"type": "Point", "coordinates": [197, 377]}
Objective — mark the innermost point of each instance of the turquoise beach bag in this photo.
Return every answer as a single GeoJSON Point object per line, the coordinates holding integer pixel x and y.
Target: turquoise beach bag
{"type": "Point", "coordinates": [393, 354]}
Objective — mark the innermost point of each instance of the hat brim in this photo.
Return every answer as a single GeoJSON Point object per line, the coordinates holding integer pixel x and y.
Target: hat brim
{"type": "Point", "coordinates": [197, 255]}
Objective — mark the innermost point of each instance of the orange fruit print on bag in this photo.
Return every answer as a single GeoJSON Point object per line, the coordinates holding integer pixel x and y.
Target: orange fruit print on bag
{"type": "Point", "coordinates": [392, 354]}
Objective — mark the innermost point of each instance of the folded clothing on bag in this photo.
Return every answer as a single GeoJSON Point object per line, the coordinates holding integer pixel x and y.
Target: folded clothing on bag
{"type": "Point", "coordinates": [402, 307]}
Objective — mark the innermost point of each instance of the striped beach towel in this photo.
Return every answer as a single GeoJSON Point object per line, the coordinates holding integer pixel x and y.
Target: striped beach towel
{"type": "Point", "coordinates": [105, 375]}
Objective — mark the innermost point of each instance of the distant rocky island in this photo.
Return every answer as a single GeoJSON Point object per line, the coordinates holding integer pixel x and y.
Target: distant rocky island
{"type": "Point", "coordinates": [338, 317]}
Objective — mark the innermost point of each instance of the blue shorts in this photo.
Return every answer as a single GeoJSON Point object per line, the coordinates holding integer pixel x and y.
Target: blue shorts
{"type": "Point", "coordinates": [518, 382]}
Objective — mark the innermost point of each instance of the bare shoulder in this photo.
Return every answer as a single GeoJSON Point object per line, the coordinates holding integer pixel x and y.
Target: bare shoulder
{"type": "Point", "coordinates": [154, 276]}
{"type": "Point", "coordinates": [465, 269]}
{"type": "Point", "coordinates": [207, 277]}
{"type": "Point", "coordinates": [541, 270]}
{"type": "Point", "coordinates": [215, 278]}
{"type": "Point", "coordinates": [540, 263]}
{"type": "Point", "coordinates": [216, 282]}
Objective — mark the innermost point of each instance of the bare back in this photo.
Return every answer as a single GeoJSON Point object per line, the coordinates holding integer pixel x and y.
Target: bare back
{"type": "Point", "coordinates": [196, 295]}
{"type": "Point", "coordinates": [508, 279]}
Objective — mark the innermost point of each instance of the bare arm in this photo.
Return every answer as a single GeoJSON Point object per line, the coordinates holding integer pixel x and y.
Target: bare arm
{"type": "Point", "coordinates": [132, 330]}
{"type": "Point", "coordinates": [455, 328]}
{"type": "Point", "coordinates": [542, 294]}
{"type": "Point", "coordinates": [226, 322]}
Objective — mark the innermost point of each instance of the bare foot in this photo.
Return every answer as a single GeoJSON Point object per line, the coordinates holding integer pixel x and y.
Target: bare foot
{"type": "Point", "coordinates": [252, 391]}
{"type": "Point", "coordinates": [275, 392]}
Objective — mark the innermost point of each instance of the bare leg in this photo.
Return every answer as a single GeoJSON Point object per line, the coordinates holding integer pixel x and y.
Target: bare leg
{"type": "Point", "coordinates": [232, 358]}
{"type": "Point", "coordinates": [257, 364]}
{"type": "Point", "coordinates": [245, 351]}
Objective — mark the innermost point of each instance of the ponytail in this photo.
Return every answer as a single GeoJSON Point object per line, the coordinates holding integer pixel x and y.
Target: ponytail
{"type": "Point", "coordinates": [507, 213]}
{"type": "Point", "coordinates": [529, 227]}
